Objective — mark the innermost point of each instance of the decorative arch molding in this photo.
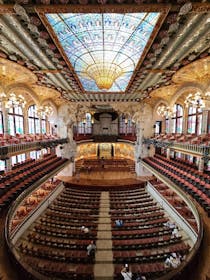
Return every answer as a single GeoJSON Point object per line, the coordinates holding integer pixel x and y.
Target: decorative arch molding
{"type": "Point", "coordinates": [161, 101]}
{"type": "Point", "coordinates": [51, 103]}
{"type": "Point", "coordinates": [186, 88]}
{"type": "Point", "coordinates": [26, 88]}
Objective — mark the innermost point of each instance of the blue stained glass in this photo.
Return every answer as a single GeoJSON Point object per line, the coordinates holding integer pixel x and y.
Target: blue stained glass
{"type": "Point", "coordinates": [103, 39]}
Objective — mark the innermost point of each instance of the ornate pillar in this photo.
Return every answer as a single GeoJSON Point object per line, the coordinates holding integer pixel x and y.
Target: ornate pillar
{"type": "Point", "coordinates": [205, 117]}
{"type": "Point", "coordinates": [168, 153]}
{"type": "Point", "coordinates": [5, 118]}
{"type": "Point", "coordinates": [184, 130]}
{"type": "Point", "coordinates": [201, 165]}
{"type": "Point", "coordinates": [141, 151]}
{"type": "Point", "coordinates": [170, 125]}
{"type": "Point", "coordinates": [25, 116]}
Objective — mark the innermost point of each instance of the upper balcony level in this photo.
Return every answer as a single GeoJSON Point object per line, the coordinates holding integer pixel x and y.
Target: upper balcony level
{"type": "Point", "coordinates": [198, 145]}
{"type": "Point", "coordinates": [11, 145]}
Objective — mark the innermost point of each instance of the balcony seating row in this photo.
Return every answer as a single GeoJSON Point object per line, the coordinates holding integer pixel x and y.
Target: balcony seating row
{"type": "Point", "coordinates": [15, 181]}
{"type": "Point", "coordinates": [6, 139]}
{"type": "Point", "coordinates": [184, 138]}
{"type": "Point", "coordinates": [175, 201]}
{"type": "Point", "coordinates": [193, 183]}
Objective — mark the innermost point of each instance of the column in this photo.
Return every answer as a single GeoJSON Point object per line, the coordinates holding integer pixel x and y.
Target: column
{"type": "Point", "coordinates": [185, 120]}
{"type": "Point", "coordinates": [5, 118]}
{"type": "Point", "coordinates": [201, 165]}
{"type": "Point", "coordinates": [170, 125]}
{"type": "Point", "coordinates": [25, 115]}
{"type": "Point", "coordinates": [168, 153]}
{"type": "Point", "coordinates": [8, 162]}
{"type": "Point", "coordinates": [205, 117]}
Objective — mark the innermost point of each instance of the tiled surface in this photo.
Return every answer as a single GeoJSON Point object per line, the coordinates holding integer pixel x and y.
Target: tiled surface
{"type": "Point", "coordinates": [104, 244]}
{"type": "Point", "coordinates": [103, 268]}
{"type": "Point", "coordinates": [104, 256]}
{"type": "Point", "coordinates": [104, 227]}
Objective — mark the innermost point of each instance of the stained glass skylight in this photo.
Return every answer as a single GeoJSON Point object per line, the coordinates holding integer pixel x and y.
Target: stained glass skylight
{"type": "Point", "coordinates": [104, 49]}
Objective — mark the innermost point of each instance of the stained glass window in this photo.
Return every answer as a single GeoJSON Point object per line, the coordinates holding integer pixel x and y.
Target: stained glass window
{"type": "Point", "coordinates": [33, 120]}
{"type": "Point", "coordinates": [15, 121]}
{"type": "Point", "coordinates": [104, 49]}
{"type": "Point", "coordinates": [177, 120]}
{"type": "Point", "coordinates": [194, 122]}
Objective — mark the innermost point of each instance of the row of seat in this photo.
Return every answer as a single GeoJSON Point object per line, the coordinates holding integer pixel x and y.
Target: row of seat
{"type": "Point", "coordinates": [61, 270]}
{"type": "Point", "coordinates": [198, 192]}
{"type": "Point", "coordinates": [143, 237]}
{"type": "Point", "coordinates": [20, 182]}
{"type": "Point", "coordinates": [6, 139]}
{"type": "Point", "coordinates": [175, 201]}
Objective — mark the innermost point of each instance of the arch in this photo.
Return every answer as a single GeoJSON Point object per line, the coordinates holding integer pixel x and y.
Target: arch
{"type": "Point", "coordinates": [161, 101]}
{"type": "Point", "coordinates": [52, 104]}
{"type": "Point", "coordinates": [186, 88]}
{"type": "Point", "coordinates": [26, 88]}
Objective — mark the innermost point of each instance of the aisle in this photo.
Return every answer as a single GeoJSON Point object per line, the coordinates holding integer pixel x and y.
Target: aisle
{"type": "Point", "coordinates": [103, 268]}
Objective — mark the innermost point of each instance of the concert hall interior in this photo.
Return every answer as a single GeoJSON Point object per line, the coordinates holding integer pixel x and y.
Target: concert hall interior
{"type": "Point", "coordinates": [104, 139]}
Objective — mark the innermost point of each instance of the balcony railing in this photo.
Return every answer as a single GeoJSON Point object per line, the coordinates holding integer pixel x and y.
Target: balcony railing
{"type": "Point", "coordinates": [198, 149]}
{"type": "Point", "coordinates": [9, 150]}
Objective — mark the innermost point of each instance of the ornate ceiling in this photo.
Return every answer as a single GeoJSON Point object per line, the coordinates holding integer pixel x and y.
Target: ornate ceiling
{"type": "Point", "coordinates": [176, 53]}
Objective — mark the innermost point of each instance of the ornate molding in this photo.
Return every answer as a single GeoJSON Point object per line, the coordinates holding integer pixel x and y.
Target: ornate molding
{"type": "Point", "coordinates": [6, 9]}
{"type": "Point", "coordinates": [97, 8]}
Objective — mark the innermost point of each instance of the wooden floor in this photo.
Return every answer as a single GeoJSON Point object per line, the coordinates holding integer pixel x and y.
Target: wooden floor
{"type": "Point", "coordinates": [202, 268]}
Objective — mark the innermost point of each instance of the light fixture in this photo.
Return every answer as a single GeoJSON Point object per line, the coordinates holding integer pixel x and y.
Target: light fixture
{"type": "Point", "coordinates": [104, 74]}
{"type": "Point", "coordinates": [165, 111]}
{"type": "Point", "coordinates": [12, 100]}
{"type": "Point", "coordinates": [45, 110]}
{"type": "Point", "coordinates": [195, 100]}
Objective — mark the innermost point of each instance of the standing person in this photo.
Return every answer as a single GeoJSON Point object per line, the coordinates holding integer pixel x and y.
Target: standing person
{"type": "Point", "coordinates": [126, 273]}
{"type": "Point", "coordinates": [91, 249]}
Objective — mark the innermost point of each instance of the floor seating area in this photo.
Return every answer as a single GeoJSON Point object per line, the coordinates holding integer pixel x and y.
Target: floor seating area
{"type": "Point", "coordinates": [23, 175]}
{"type": "Point", "coordinates": [105, 165]}
{"type": "Point", "coordinates": [188, 178]}
{"type": "Point", "coordinates": [56, 244]}
{"type": "Point", "coordinates": [144, 242]}
{"type": "Point", "coordinates": [58, 237]}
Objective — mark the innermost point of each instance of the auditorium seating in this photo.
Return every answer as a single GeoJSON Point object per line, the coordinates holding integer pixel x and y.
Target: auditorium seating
{"type": "Point", "coordinates": [175, 201]}
{"type": "Point", "coordinates": [7, 139]}
{"type": "Point", "coordinates": [186, 177]}
{"type": "Point", "coordinates": [190, 138]}
{"type": "Point", "coordinates": [57, 237]}
{"type": "Point", "coordinates": [143, 241]}
{"type": "Point", "coordinates": [18, 179]}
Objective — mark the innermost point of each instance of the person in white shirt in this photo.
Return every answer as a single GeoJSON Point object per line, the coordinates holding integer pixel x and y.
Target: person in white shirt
{"type": "Point", "coordinates": [175, 233]}
{"type": "Point", "coordinates": [91, 249]}
{"type": "Point", "coordinates": [127, 275]}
